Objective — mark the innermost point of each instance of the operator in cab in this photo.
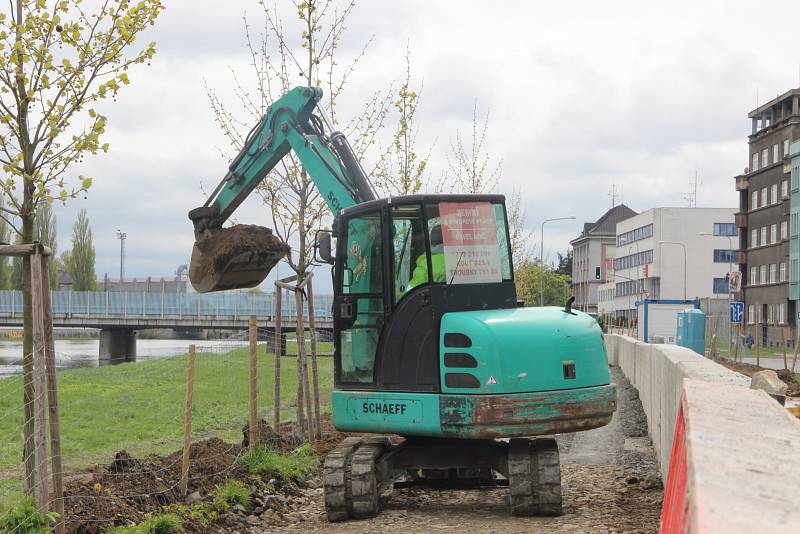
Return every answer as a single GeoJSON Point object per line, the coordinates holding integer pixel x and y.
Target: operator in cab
{"type": "Point", "coordinates": [420, 274]}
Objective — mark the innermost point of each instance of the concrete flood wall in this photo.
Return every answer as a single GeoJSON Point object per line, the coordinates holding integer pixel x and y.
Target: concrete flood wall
{"type": "Point", "coordinates": [737, 468]}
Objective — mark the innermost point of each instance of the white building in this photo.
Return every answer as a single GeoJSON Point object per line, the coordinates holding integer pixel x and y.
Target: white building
{"type": "Point", "coordinates": [593, 256]}
{"type": "Point", "coordinates": [670, 254]}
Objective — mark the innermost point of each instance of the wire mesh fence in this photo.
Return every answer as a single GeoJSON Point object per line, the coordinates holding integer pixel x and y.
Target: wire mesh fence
{"type": "Point", "coordinates": [122, 427]}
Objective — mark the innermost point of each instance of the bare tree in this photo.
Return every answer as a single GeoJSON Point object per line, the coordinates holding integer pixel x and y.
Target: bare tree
{"type": "Point", "coordinates": [470, 168]}
{"type": "Point", "coordinates": [400, 169]}
{"type": "Point", "coordinates": [296, 207]}
{"type": "Point", "coordinates": [517, 233]}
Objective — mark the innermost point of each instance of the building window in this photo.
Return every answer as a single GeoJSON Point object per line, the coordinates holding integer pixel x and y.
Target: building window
{"type": "Point", "coordinates": [764, 241]}
{"type": "Point", "coordinates": [764, 156]}
{"type": "Point", "coordinates": [785, 147]}
{"type": "Point", "coordinates": [784, 230]}
{"type": "Point", "coordinates": [781, 313]}
{"type": "Point", "coordinates": [773, 271]}
{"type": "Point", "coordinates": [720, 286]}
{"type": "Point", "coordinates": [770, 314]}
{"type": "Point", "coordinates": [724, 256]}
{"type": "Point", "coordinates": [773, 233]}
{"type": "Point", "coordinates": [725, 229]}
{"type": "Point", "coordinates": [751, 314]}
{"type": "Point", "coordinates": [764, 197]}
{"type": "Point", "coordinates": [753, 276]}
{"type": "Point", "coordinates": [755, 162]}
{"type": "Point", "coordinates": [762, 274]}
{"type": "Point", "coordinates": [784, 188]}
{"type": "Point", "coordinates": [635, 235]}
{"type": "Point", "coordinates": [754, 201]}
{"type": "Point", "coordinates": [774, 192]}
{"type": "Point", "coordinates": [754, 238]}
{"type": "Point", "coordinates": [775, 153]}
{"type": "Point", "coordinates": [783, 271]}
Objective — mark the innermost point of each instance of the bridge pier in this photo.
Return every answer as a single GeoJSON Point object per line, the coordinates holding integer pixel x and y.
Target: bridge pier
{"type": "Point", "coordinates": [117, 344]}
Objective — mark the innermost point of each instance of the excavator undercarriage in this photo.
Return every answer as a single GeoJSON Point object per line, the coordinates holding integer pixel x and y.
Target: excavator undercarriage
{"type": "Point", "coordinates": [360, 474]}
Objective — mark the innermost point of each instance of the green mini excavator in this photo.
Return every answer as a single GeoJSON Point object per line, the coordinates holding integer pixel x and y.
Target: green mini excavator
{"type": "Point", "coordinates": [431, 343]}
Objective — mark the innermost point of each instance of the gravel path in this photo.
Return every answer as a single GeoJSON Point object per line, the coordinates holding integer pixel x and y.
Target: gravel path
{"type": "Point", "coordinates": [610, 484]}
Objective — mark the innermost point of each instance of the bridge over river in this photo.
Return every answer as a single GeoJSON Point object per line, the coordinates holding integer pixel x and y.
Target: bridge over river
{"type": "Point", "coordinates": [119, 315]}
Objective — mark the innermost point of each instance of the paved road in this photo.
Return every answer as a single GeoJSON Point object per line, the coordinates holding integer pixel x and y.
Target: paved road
{"type": "Point", "coordinates": [771, 363]}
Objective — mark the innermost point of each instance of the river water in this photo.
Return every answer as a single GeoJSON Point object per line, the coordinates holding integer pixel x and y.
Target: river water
{"type": "Point", "coordinates": [72, 353]}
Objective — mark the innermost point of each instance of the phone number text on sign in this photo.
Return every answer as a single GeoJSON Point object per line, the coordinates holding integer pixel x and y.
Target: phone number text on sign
{"type": "Point", "coordinates": [469, 235]}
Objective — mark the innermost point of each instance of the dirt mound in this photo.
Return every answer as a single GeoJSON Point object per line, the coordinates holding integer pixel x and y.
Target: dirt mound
{"type": "Point", "coordinates": [89, 511]}
{"type": "Point", "coordinates": [748, 369]}
{"type": "Point", "coordinates": [237, 257]}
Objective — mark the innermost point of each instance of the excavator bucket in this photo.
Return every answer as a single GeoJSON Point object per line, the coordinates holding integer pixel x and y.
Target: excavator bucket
{"type": "Point", "coordinates": [237, 257]}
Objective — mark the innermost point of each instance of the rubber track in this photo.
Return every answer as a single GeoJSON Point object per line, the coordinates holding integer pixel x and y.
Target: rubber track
{"type": "Point", "coordinates": [350, 480]}
{"type": "Point", "coordinates": [364, 480]}
{"type": "Point", "coordinates": [336, 480]}
{"type": "Point", "coordinates": [534, 477]}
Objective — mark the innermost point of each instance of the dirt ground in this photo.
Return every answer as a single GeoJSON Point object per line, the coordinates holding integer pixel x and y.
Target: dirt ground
{"type": "Point", "coordinates": [747, 369]}
{"type": "Point", "coordinates": [609, 477]}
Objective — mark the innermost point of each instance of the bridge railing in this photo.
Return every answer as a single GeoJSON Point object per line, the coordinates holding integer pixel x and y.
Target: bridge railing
{"type": "Point", "coordinates": [181, 305]}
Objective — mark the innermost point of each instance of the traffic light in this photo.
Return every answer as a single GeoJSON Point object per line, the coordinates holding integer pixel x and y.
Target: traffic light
{"type": "Point", "coordinates": [597, 273]}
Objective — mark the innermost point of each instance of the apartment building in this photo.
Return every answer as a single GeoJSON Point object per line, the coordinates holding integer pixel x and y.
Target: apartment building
{"type": "Point", "coordinates": [593, 254]}
{"type": "Point", "coordinates": [764, 217]}
{"type": "Point", "coordinates": [670, 253]}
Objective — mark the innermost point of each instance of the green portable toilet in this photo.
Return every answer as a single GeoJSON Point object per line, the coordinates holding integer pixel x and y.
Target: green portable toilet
{"type": "Point", "coordinates": [692, 330]}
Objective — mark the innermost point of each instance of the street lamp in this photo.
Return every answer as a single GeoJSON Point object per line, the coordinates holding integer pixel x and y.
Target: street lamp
{"type": "Point", "coordinates": [541, 256]}
{"type": "Point", "coordinates": [122, 236]}
{"type": "Point", "coordinates": [730, 295]}
{"type": "Point", "coordinates": [683, 246]}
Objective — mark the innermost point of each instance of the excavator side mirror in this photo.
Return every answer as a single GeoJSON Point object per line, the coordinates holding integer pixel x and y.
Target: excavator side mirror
{"type": "Point", "coordinates": [322, 247]}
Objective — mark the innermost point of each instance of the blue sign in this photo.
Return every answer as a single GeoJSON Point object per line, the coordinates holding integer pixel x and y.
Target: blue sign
{"type": "Point", "coordinates": [737, 312]}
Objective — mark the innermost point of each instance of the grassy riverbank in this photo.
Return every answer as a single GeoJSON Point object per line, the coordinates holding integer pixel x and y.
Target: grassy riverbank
{"type": "Point", "coordinates": [139, 406]}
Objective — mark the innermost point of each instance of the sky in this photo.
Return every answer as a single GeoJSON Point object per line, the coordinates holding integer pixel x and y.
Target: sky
{"type": "Point", "coordinates": [580, 96]}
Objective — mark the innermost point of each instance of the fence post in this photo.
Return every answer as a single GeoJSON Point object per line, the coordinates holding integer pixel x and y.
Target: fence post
{"type": "Point", "coordinates": [253, 431]}
{"type": "Point", "coordinates": [278, 350]}
{"type": "Point", "coordinates": [187, 423]}
{"type": "Point", "coordinates": [41, 491]}
{"type": "Point", "coordinates": [313, 333]}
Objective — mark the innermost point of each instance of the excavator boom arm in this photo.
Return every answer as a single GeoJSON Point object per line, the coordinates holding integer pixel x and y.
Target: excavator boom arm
{"type": "Point", "coordinates": [288, 125]}
{"type": "Point", "coordinates": [242, 256]}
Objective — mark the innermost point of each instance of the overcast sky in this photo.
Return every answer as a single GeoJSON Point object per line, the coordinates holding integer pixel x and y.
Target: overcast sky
{"type": "Point", "coordinates": [581, 95]}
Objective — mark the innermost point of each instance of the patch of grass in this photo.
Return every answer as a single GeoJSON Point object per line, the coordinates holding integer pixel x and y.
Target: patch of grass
{"type": "Point", "coordinates": [201, 512]}
{"type": "Point", "coordinates": [24, 519]}
{"type": "Point", "coordinates": [230, 494]}
{"type": "Point", "coordinates": [284, 465]}
{"type": "Point", "coordinates": [159, 524]}
{"type": "Point", "coordinates": [139, 406]}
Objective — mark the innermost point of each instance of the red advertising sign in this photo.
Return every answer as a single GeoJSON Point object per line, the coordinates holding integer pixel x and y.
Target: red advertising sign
{"type": "Point", "coordinates": [469, 238]}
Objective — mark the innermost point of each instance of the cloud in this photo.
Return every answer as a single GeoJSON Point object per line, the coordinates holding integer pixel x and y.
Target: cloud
{"type": "Point", "coordinates": [581, 95]}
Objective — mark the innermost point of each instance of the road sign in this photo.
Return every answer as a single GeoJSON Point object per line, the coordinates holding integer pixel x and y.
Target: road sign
{"type": "Point", "coordinates": [737, 312]}
{"type": "Point", "coordinates": [735, 281]}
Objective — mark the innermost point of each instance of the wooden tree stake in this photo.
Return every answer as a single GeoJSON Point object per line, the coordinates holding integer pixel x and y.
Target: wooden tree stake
{"type": "Point", "coordinates": [52, 398]}
{"type": "Point", "coordinates": [313, 332]}
{"type": "Point", "coordinates": [41, 491]}
{"type": "Point", "coordinates": [187, 423]}
{"type": "Point", "coordinates": [278, 350]}
{"type": "Point", "coordinates": [304, 391]}
{"type": "Point", "coordinates": [253, 430]}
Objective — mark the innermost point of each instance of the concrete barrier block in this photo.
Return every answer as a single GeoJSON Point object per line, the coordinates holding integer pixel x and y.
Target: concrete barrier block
{"type": "Point", "coordinates": [611, 342]}
{"type": "Point", "coordinates": [743, 470]}
{"type": "Point", "coordinates": [709, 371]}
{"type": "Point", "coordinates": [644, 355]}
